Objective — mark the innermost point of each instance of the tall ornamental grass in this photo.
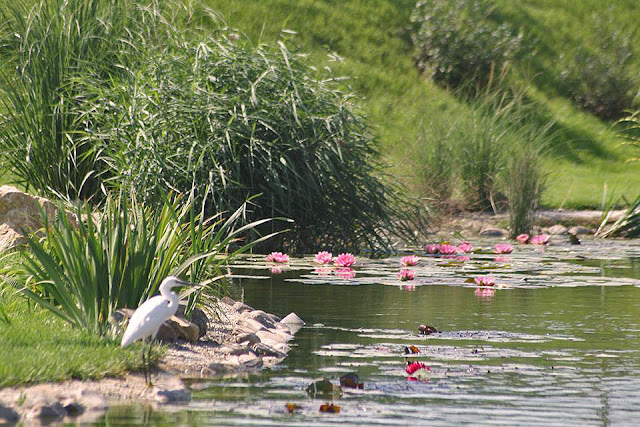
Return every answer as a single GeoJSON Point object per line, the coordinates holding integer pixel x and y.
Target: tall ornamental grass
{"type": "Point", "coordinates": [43, 54]}
{"type": "Point", "coordinates": [221, 114]}
{"type": "Point", "coordinates": [150, 98]}
{"type": "Point", "coordinates": [86, 267]}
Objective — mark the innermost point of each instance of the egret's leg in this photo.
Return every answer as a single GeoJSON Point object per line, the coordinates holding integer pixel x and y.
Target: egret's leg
{"type": "Point", "coordinates": [149, 361]}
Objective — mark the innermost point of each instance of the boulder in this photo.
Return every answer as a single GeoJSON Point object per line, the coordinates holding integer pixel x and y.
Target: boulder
{"type": "Point", "coordinates": [262, 349]}
{"type": "Point", "coordinates": [198, 318]}
{"type": "Point", "coordinates": [184, 329]}
{"type": "Point", "coordinates": [20, 212]}
{"type": "Point", "coordinates": [250, 361]}
{"type": "Point", "coordinates": [265, 319]}
{"type": "Point", "coordinates": [248, 326]}
{"type": "Point", "coordinates": [557, 229]}
{"type": "Point", "coordinates": [8, 415]}
{"type": "Point", "coordinates": [249, 339]}
{"type": "Point", "coordinates": [241, 307]}
{"type": "Point", "coordinates": [492, 232]}
{"type": "Point", "coordinates": [578, 230]}
{"type": "Point", "coordinates": [292, 319]}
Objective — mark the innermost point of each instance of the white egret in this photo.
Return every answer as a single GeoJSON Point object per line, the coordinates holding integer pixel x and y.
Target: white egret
{"type": "Point", "coordinates": [148, 318]}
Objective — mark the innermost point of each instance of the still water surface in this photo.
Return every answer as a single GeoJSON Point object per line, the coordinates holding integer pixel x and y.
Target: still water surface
{"type": "Point", "coordinates": [558, 345]}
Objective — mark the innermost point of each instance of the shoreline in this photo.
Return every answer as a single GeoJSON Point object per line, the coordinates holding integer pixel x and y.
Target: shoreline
{"type": "Point", "coordinates": [241, 339]}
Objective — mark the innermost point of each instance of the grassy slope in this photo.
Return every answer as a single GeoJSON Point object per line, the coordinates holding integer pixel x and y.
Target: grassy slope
{"type": "Point", "coordinates": [371, 38]}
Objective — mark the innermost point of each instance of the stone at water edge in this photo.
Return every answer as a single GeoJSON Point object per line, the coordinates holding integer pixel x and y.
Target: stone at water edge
{"type": "Point", "coordinates": [578, 229]}
{"type": "Point", "coordinates": [557, 229]}
{"type": "Point", "coordinates": [241, 307]}
{"type": "Point", "coordinates": [292, 319]}
{"type": "Point", "coordinates": [493, 232]}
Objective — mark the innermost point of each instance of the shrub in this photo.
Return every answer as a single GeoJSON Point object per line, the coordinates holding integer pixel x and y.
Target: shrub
{"type": "Point", "coordinates": [601, 81]}
{"type": "Point", "coordinates": [457, 44]}
{"type": "Point", "coordinates": [239, 120]}
{"type": "Point", "coordinates": [83, 270]}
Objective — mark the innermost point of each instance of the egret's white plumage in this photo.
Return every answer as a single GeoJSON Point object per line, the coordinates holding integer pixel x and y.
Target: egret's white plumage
{"type": "Point", "coordinates": [148, 318]}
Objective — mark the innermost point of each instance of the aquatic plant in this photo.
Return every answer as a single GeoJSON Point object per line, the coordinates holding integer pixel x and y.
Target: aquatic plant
{"type": "Point", "coordinates": [484, 281]}
{"type": "Point", "coordinates": [345, 260]}
{"type": "Point", "coordinates": [409, 260]}
{"type": "Point", "coordinates": [405, 275]}
{"type": "Point", "coordinates": [277, 257]}
{"type": "Point", "coordinates": [523, 238]}
{"type": "Point", "coordinates": [446, 249]}
{"type": "Point", "coordinates": [431, 249]}
{"type": "Point", "coordinates": [324, 257]}
{"type": "Point", "coordinates": [465, 247]}
{"type": "Point", "coordinates": [413, 367]}
{"type": "Point", "coordinates": [503, 248]}
{"type": "Point", "coordinates": [541, 239]}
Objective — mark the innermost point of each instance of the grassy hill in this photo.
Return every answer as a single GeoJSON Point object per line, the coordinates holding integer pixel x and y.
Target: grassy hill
{"type": "Point", "coordinates": [369, 41]}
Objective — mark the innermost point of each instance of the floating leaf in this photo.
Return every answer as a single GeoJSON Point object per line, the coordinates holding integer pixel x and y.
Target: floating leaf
{"type": "Point", "coordinates": [330, 408]}
{"type": "Point", "coordinates": [292, 407]}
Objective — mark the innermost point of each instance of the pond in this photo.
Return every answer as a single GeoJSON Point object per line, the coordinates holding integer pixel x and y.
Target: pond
{"type": "Point", "coordinates": [557, 343]}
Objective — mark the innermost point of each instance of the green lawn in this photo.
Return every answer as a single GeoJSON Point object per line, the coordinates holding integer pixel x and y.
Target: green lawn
{"type": "Point", "coordinates": [38, 347]}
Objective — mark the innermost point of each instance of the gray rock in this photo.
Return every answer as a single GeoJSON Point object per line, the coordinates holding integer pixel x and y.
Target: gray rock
{"type": "Point", "coordinates": [175, 395]}
{"type": "Point", "coordinates": [578, 230]}
{"type": "Point", "coordinates": [492, 232]}
{"type": "Point", "coordinates": [262, 349]}
{"type": "Point", "coordinates": [92, 400]}
{"type": "Point", "coordinates": [557, 229]}
{"type": "Point", "coordinates": [292, 319]}
{"type": "Point", "coordinates": [265, 319]}
{"type": "Point", "coordinates": [166, 333]}
{"type": "Point", "coordinates": [271, 336]}
{"type": "Point", "coordinates": [228, 300]}
{"type": "Point", "coordinates": [249, 326]}
{"type": "Point", "coordinates": [249, 339]}
{"type": "Point", "coordinates": [250, 361]}
{"type": "Point", "coordinates": [8, 415]}
{"type": "Point", "coordinates": [241, 307]}
{"type": "Point", "coordinates": [234, 350]}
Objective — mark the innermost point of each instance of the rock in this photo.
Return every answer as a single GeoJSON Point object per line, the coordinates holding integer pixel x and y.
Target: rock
{"type": "Point", "coordinates": [262, 349]}
{"type": "Point", "coordinates": [351, 380]}
{"type": "Point", "coordinates": [72, 407]}
{"type": "Point", "coordinates": [557, 229]}
{"type": "Point", "coordinates": [267, 320]}
{"type": "Point", "coordinates": [578, 230]}
{"type": "Point", "coordinates": [249, 326]}
{"type": "Point", "coordinates": [241, 307]}
{"type": "Point", "coordinates": [44, 409]}
{"type": "Point", "coordinates": [92, 401]}
{"type": "Point", "coordinates": [184, 329]}
{"type": "Point", "coordinates": [233, 349]}
{"type": "Point", "coordinates": [292, 319]}
{"type": "Point", "coordinates": [250, 339]}
{"type": "Point", "coordinates": [228, 300]}
{"type": "Point", "coordinates": [271, 336]}
{"type": "Point", "coordinates": [198, 318]}
{"type": "Point", "coordinates": [323, 387]}
{"type": "Point", "coordinates": [8, 415]}
{"type": "Point", "coordinates": [166, 333]}
{"type": "Point", "coordinates": [250, 361]}
{"type": "Point", "coordinates": [22, 212]}
{"type": "Point", "coordinates": [492, 232]}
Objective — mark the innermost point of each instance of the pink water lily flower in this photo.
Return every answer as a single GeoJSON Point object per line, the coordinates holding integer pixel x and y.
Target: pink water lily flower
{"type": "Point", "coordinates": [324, 257]}
{"type": "Point", "coordinates": [523, 238]}
{"type": "Point", "coordinates": [465, 247]}
{"type": "Point", "coordinates": [405, 275]}
{"type": "Point", "coordinates": [503, 248]}
{"type": "Point", "coordinates": [484, 281]}
{"type": "Point", "coordinates": [345, 260]}
{"type": "Point", "coordinates": [446, 249]}
{"type": "Point", "coordinates": [409, 260]}
{"type": "Point", "coordinates": [277, 257]}
{"type": "Point", "coordinates": [542, 239]}
{"type": "Point", "coordinates": [431, 249]}
{"type": "Point", "coordinates": [416, 366]}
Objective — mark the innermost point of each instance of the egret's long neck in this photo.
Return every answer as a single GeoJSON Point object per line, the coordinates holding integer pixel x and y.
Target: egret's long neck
{"type": "Point", "coordinates": [169, 295]}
